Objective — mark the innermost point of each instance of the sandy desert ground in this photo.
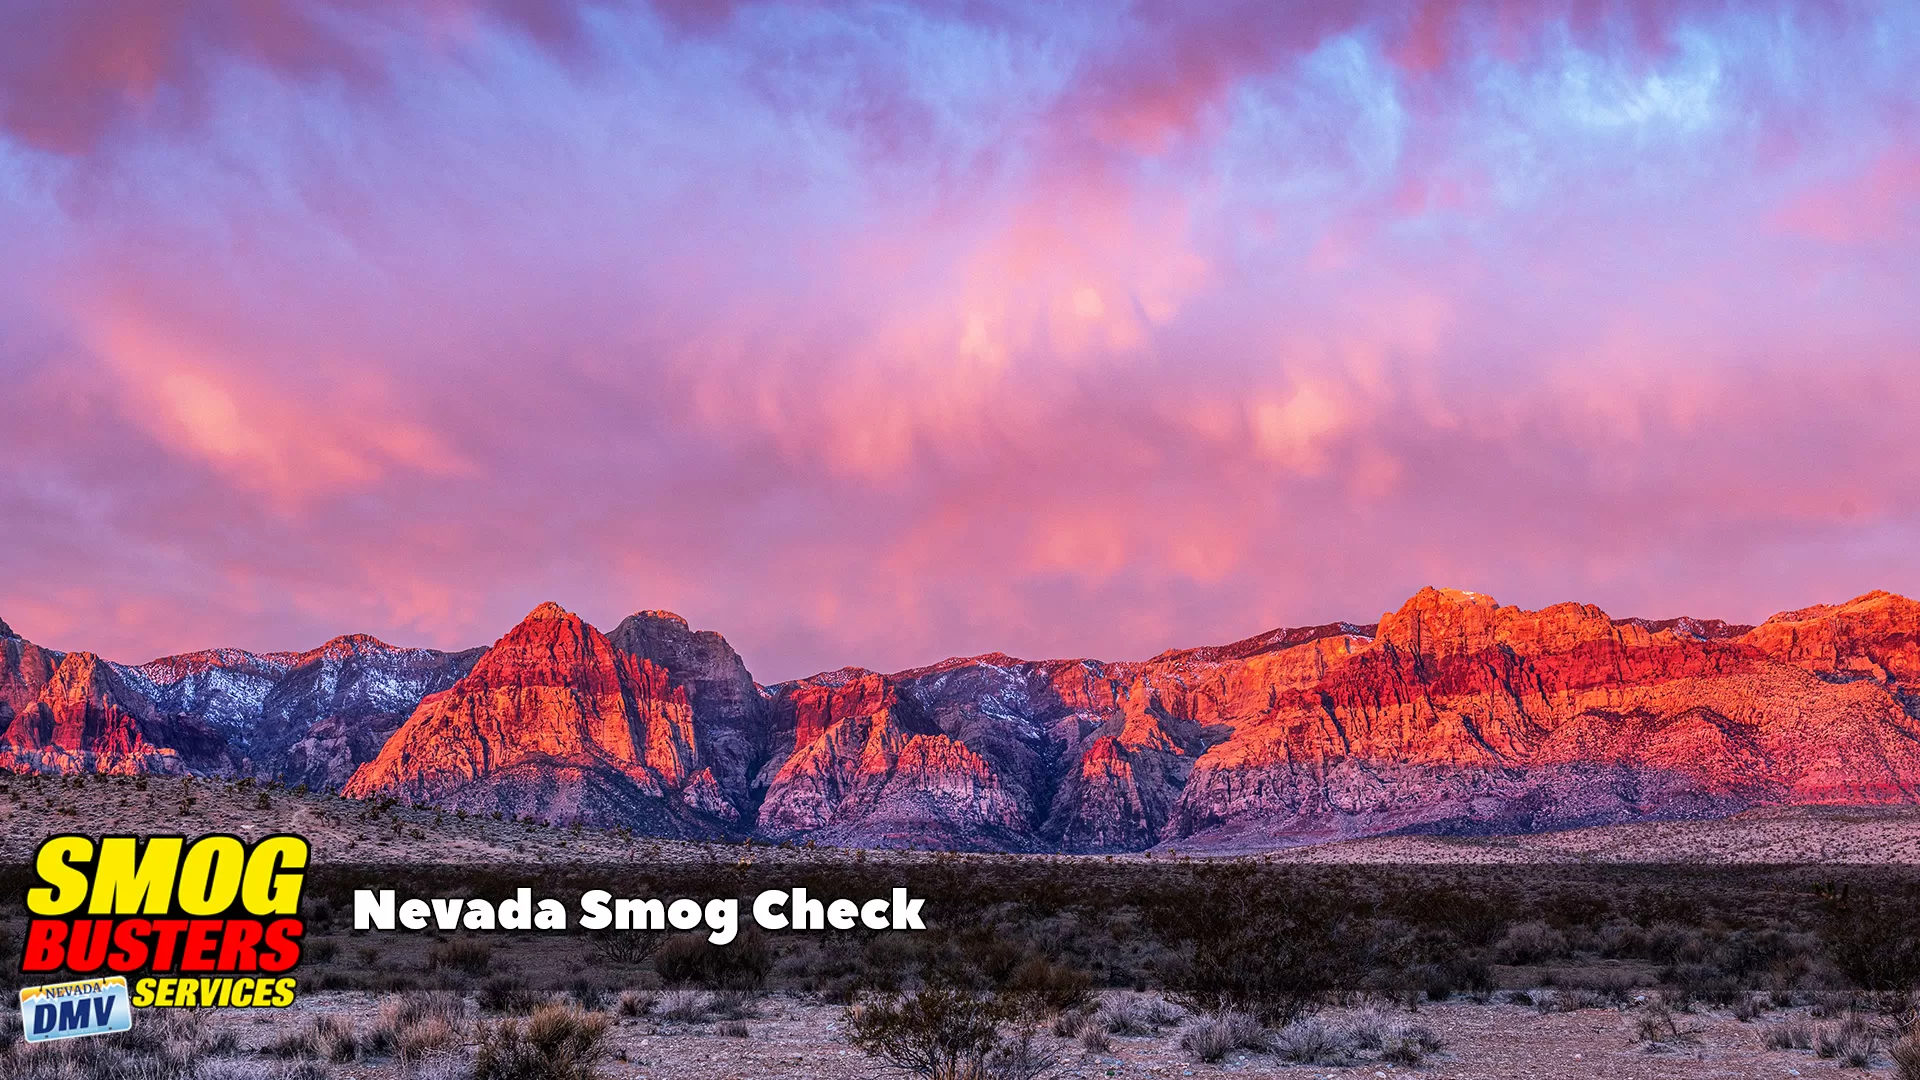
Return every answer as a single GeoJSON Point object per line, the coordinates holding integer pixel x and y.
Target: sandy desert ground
{"type": "Point", "coordinates": [788, 1039]}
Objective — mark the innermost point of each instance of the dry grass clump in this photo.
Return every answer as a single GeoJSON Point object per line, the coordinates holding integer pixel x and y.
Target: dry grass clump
{"type": "Point", "coordinates": [555, 1043]}
{"type": "Point", "coordinates": [1530, 943]}
{"type": "Point", "coordinates": [1310, 1040]}
{"type": "Point", "coordinates": [1794, 1034]}
{"type": "Point", "coordinates": [1385, 1037]}
{"type": "Point", "coordinates": [1211, 1038]}
{"type": "Point", "coordinates": [325, 1037]}
{"type": "Point", "coordinates": [1135, 1014]}
{"type": "Point", "coordinates": [461, 954]}
{"type": "Point", "coordinates": [686, 1006]}
{"type": "Point", "coordinates": [636, 1002]}
{"type": "Point", "coordinates": [1906, 1057]}
{"type": "Point", "coordinates": [1658, 1030]}
{"type": "Point", "coordinates": [417, 1024]}
{"type": "Point", "coordinates": [1852, 1042]}
{"type": "Point", "coordinates": [1394, 1038]}
{"type": "Point", "coordinates": [172, 1044]}
{"type": "Point", "coordinates": [508, 994]}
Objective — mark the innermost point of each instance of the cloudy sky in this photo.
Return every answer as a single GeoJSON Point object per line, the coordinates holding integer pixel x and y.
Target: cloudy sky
{"type": "Point", "coordinates": [874, 334]}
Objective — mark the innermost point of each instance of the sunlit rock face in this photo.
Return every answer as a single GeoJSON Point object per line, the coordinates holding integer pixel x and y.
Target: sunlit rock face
{"type": "Point", "coordinates": [556, 723]}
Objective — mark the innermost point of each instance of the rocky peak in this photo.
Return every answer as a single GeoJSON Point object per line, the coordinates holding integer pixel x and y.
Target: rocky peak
{"type": "Point", "coordinates": [6, 631]}
{"type": "Point", "coordinates": [1439, 623]}
{"type": "Point", "coordinates": [1876, 635]}
{"type": "Point", "coordinates": [729, 708]}
{"type": "Point", "coordinates": [553, 698]}
{"type": "Point", "coordinates": [349, 645]}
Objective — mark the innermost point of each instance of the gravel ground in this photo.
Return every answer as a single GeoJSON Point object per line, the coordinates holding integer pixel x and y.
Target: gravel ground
{"type": "Point", "coordinates": [793, 1039]}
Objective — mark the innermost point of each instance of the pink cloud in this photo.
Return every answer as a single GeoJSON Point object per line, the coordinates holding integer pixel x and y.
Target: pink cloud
{"type": "Point", "coordinates": [874, 337]}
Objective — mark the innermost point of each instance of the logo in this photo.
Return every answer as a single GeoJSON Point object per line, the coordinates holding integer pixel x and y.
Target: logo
{"type": "Point", "coordinates": [67, 1010]}
{"type": "Point", "coordinates": [215, 921]}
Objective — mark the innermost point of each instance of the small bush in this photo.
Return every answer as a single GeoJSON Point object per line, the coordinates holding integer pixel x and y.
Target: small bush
{"type": "Point", "coordinates": [1409, 1044]}
{"type": "Point", "coordinates": [732, 1029]}
{"type": "Point", "coordinates": [1018, 1058]}
{"type": "Point", "coordinates": [555, 1043]}
{"type": "Point", "coordinates": [508, 995]}
{"type": "Point", "coordinates": [1658, 1030]}
{"type": "Point", "coordinates": [1792, 1035]}
{"type": "Point", "coordinates": [689, 959]}
{"type": "Point", "coordinates": [1212, 1038]}
{"type": "Point", "coordinates": [415, 1024]}
{"type": "Point", "coordinates": [1094, 1039]}
{"type": "Point", "coordinates": [1530, 943]}
{"type": "Point", "coordinates": [938, 1033]}
{"type": "Point", "coordinates": [1906, 1058]}
{"type": "Point", "coordinates": [1135, 1014]}
{"type": "Point", "coordinates": [326, 1037]}
{"type": "Point", "coordinates": [686, 1006]}
{"type": "Point", "coordinates": [1041, 989]}
{"type": "Point", "coordinates": [461, 954]}
{"type": "Point", "coordinates": [637, 1002]}
{"type": "Point", "coordinates": [1311, 1041]}
{"type": "Point", "coordinates": [590, 995]}
{"type": "Point", "coordinates": [1851, 1042]}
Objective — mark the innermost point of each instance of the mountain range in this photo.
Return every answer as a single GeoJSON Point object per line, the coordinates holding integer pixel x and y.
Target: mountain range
{"type": "Point", "coordinates": [1452, 715]}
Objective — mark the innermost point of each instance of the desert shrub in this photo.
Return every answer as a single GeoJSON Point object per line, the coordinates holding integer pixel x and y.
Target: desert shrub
{"type": "Point", "coordinates": [508, 994]}
{"type": "Point", "coordinates": [1793, 1034]}
{"type": "Point", "coordinates": [461, 954]}
{"type": "Point", "coordinates": [732, 1029]}
{"type": "Point", "coordinates": [1408, 1044]}
{"type": "Point", "coordinates": [1211, 1038]}
{"type": "Point", "coordinates": [1906, 1058]}
{"type": "Point", "coordinates": [1270, 952]}
{"type": "Point", "coordinates": [739, 965]}
{"type": "Point", "coordinates": [416, 1023]}
{"type": "Point", "coordinates": [168, 1045]}
{"type": "Point", "coordinates": [1657, 1029]}
{"type": "Point", "coordinates": [1530, 943]}
{"type": "Point", "coordinates": [636, 1002]}
{"type": "Point", "coordinates": [732, 1004]}
{"type": "Point", "coordinates": [1042, 989]}
{"type": "Point", "coordinates": [1852, 1041]}
{"type": "Point", "coordinates": [1310, 1040]}
{"type": "Point", "coordinates": [590, 995]}
{"type": "Point", "coordinates": [1876, 944]}
{"type": "Point", "coordinates": [1124, 1014]}
{"type": "Point", "coordinates": [623, 946]}
{"type": "Point", "coordinates": [1094, 1038]}
{"type": "Point", "coordinates": [1365, 1029]}
{"type": "Point", "coordinates": [1018, 1058]}
{"type": "Point", "coordinates": [555, 1043]}
{"type": "Point", "coordinates": [685, 1005]}
{"type": "Point", "coordinates": [326, 1037]}
{"type": "Point", "coordinates": [1071, 1023]}
{"type": "Point", "coordinates": [940, 1033]}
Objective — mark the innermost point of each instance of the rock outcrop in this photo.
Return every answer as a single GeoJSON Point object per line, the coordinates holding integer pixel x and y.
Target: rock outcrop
{"type": "Point", "coordinates": [555, 722]}
{"type": "Point", "coordinates": [84, 719]}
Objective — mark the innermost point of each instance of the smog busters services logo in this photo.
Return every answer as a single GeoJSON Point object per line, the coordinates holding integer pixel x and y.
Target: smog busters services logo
{"type": "Point", "coordinates": [212, 921]}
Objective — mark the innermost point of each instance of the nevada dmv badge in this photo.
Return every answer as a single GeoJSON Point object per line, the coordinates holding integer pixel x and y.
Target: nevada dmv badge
{"type": "Point", "coordinates": [65, 1010]}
